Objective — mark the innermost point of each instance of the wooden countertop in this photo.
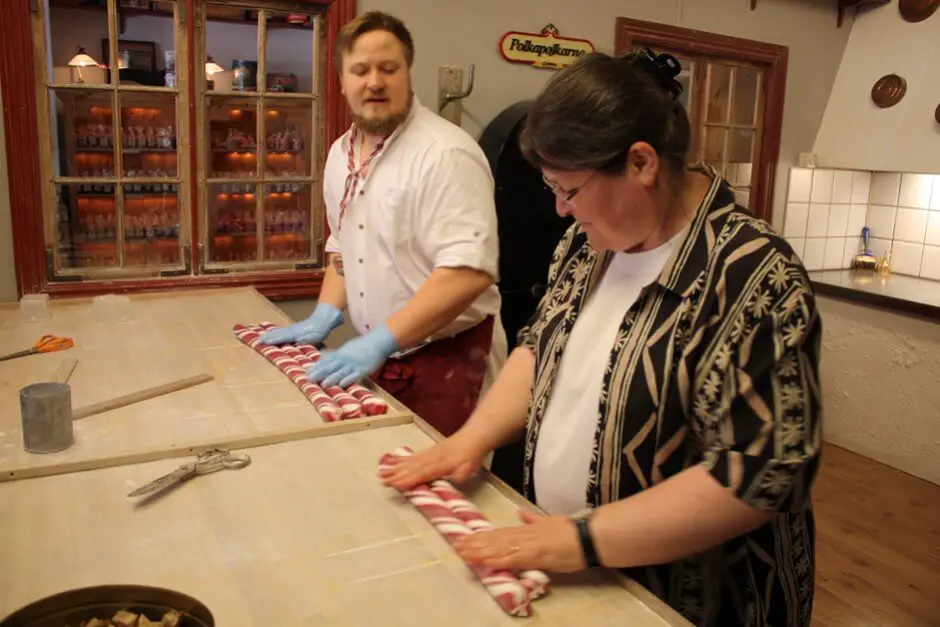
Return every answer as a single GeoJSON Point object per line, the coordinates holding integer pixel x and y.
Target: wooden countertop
{"type": "Point", "coordinates": [304, 535]}
{"type": "Point", "coordinates": [172, 335]}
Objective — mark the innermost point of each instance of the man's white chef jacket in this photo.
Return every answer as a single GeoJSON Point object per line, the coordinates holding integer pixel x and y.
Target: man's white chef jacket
{"type": "Point", "coordinates": [427, 202]}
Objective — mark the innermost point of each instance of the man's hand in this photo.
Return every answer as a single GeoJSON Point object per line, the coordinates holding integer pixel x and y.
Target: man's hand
{"type": "Point", "coordinates": [355, 359]}
{"type": "Point", "coordinates": [313, 330]}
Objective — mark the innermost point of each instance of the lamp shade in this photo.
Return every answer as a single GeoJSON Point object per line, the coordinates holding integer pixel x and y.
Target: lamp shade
{"type": "Point", "coordinates": [81, 59]}
{"type": "Point", "coordinates": [212, 67]}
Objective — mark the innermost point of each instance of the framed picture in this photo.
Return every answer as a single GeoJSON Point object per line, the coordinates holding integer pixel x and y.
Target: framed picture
{"type": "Point", "coordinates": [133, 55]}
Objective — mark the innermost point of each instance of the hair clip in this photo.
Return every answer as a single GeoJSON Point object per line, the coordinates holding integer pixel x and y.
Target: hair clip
{"type": "Point", "coordinates": [665, 68]}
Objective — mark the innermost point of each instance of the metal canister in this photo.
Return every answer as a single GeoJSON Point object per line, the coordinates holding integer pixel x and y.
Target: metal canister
{"type": "Point", "coordinates": [244, 75]}
{"type": "Point", "coordinates": [46, 411]}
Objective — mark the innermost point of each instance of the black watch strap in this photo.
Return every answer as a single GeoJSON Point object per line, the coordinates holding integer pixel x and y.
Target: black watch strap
{"type": "Point", "coordinates": [587, 542]}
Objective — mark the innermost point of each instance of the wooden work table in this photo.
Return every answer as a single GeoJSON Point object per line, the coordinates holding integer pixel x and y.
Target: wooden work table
{"type": "Point", "coordinates": [170, 336]}
{"type": "Point", "coordinates": [304, 535]}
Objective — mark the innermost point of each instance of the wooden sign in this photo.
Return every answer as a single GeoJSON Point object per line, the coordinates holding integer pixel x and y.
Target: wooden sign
{"type": "Point", "coordinates": [543, 50]}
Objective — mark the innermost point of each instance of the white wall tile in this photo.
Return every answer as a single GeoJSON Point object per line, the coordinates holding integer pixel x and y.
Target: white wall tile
{"type": "Point", "coordinates": [858, 217]}
{"type": "Point", "coordinates": [885, 187]}
{"type": "Point", "coordinates": [879, 247]}
{"type": "Point", "coordinates": [933, 229]}
{"type": "Point", "coordinates": [822, 186]}
{"type": "Point", "coordinates": [838, 221]}
{"type": "Point", "coordinates": [818, 223]}
{"type": "Point", "coordinates": [842, 186]}
{"type": "Point", "coordinates": [935, 194]}
{"type": "Point", "coordinates": [835, 251]}
{"type": "Point", "coordinates": [930, 263]}
{"type": "Point", "coordinates": [815, 253]}
{"type": "Point", "coordinates": [861, 187]}
{"type": "Point", "coordinates": [794, 224]}
{"type": "Point", "coordinates": [881, 221]}
{"type": "Point", "coordinates": [798, 244]}
{"type": "Point", "coordinates": [906, 258]}
{"type": "Point", "coordinates": [853, 246]}
{"type": "Point", "coordinates": [915, 191]}
{"type": "Point", "coordinates": [910, 225]}
{"type": "Point", "coordinates": [801, 181]}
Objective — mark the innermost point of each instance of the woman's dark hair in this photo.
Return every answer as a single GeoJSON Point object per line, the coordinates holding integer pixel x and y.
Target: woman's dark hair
{"type": "Point", "coordinates": [590, 114]}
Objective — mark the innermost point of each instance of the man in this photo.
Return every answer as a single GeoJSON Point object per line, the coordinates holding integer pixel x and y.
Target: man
{"type": "Point", "coordinates": [413, 245]}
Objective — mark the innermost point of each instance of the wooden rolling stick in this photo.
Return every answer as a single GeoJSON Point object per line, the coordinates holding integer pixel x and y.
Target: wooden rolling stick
{"type": "Point", "coordinates": [140, 395]}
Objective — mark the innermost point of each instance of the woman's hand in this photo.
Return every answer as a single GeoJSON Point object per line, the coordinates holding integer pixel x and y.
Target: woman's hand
{"type": "Point", "coordinates": [544, 543]}
{"type": "Point", "coordinates": [458, 457]}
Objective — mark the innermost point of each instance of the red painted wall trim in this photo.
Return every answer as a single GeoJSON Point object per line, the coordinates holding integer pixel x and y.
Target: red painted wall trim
{"type": "Point", "coordinates": [23, 169]}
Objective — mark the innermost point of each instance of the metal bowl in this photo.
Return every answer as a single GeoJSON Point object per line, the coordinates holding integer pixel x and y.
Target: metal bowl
{"type": "Point", "coordinates": [73, 606]}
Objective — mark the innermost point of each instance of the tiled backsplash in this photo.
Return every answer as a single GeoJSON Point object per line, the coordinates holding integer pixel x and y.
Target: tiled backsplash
{"type": "Point", "coordinates": [826, 210]}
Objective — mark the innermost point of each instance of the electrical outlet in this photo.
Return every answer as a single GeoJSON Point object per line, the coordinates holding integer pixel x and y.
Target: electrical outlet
{"type": "Point", "coordinates": [449, 81]}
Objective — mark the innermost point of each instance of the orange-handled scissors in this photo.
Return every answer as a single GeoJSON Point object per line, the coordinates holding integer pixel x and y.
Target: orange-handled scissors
{"type": "Point", "coordinates": [46, 344]}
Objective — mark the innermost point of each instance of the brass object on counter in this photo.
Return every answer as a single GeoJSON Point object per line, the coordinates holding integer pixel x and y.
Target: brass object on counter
{"type": "Point", "coordinates": [883, 269]}
{"type": "Point", "coordinates": [917, 10]}
{"type": "Point", "coordinates": [888, 90]}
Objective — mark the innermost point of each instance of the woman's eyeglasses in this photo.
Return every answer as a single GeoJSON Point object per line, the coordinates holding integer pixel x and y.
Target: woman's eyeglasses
{"type": "Point", "coordinates": [567, 194]}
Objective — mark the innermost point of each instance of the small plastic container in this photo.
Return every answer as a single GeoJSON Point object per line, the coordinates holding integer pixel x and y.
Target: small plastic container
{"type": "Point", "coordinates": [112, 308]}
{"type": "Point", "coordinates": [35, 308]}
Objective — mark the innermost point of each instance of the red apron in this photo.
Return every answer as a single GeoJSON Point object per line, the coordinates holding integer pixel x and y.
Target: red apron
{"type": "Point", "coordinates": [441, 381]}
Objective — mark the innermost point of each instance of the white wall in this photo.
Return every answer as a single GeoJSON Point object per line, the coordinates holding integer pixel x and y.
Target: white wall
{"type": "Point", "coordinates": [460, 33]}
{"type": "Point", "coordinates": [855, 133]}
{"type": "Point", "coordinates": [879, 375]}
{"type": "Point", "coordinates": [7, 269]}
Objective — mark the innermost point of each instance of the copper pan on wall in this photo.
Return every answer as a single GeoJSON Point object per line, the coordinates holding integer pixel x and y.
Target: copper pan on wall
{"type": "Point", "coordinates": [917, 10]}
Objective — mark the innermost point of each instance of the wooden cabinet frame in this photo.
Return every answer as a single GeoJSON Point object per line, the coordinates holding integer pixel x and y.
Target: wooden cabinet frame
{"type": "Point", "coordinates": [770, 57]}
{"type": "Point", "coordinates": [27, 187]}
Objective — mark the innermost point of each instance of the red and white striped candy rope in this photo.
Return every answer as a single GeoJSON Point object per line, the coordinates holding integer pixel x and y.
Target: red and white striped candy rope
{"type": "Point", "coordinates": [535, 581]}
{"type": "Point", "coordinates": [502, 585]}
{"type": "Point", "coordinates": [353, 395]}
{"type": "Point", "coordinates": [321, 401]}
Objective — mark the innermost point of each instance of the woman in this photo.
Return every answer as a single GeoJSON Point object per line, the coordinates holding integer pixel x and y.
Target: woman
{"type": "Point", "coordinates": [667, 384]}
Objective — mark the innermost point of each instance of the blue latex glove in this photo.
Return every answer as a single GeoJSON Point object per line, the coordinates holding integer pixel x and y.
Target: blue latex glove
{"type": "Point", "coordinates": [355, 359]}
{"type": "Point", "coordinates": [313, 330]}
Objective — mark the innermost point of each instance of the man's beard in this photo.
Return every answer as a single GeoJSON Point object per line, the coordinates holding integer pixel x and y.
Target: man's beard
{"type": "Point", "coordinates": [382, 126]}
{"type": "Point", "coordinates": [379, 126]}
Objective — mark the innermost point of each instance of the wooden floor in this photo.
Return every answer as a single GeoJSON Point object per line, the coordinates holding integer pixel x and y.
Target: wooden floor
{"type": "Point", "coordinates": [877, 543]}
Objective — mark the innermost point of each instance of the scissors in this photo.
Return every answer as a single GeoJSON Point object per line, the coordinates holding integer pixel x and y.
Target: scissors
{"type": "Point", "coordinates": [46, 344]}
{"type": "Point", "coordinates": [209, 461]}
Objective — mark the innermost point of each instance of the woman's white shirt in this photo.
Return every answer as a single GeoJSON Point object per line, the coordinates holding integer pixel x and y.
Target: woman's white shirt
{"type": "Point", "coordinates": [566, 436]}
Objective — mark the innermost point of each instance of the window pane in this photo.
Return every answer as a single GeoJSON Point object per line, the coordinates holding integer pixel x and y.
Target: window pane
{"type": "Point", "coordinates": [744, 103]}
{"type": "Point", "coordinates": [149, 147]}
{"type": "Point", "coordinates": [232, 222]}
{"type": "Point", "coordinates": [287, 221]}
{"type": "Point", "coordinates": [233, 45]}
{"type": "Point", "coordinates": [74, 43]}
{"type": "Point", "coordinates": [82, 133]}
{"type": "Point", "coordinates": [232, 145]}
{"type": "Point", "coordinates": [146, 45]}
{"type": "Point", "coordinates": [687, 79]}
{"type": "Point", "coordinates": [287, 126]}
{"type": "Point", "coordinates": [741, 146]}
{"type": "Point", "coordinates": [289, 52]}
{"type": "Point", "coordinates": [151, 225]}
{"type": "Point", "coordinates": [719, 93]}
{"type": "Point", "coordinates": [86, 216]}
{"type": "Point", "coordinates": [715, 139]}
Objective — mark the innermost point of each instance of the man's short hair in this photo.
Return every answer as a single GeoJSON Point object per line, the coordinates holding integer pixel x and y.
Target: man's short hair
{"type": "Point", "coordinates": [368, 22]}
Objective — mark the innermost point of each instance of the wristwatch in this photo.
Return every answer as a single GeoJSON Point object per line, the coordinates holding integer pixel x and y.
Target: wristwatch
{"type": "Point", "coordinates": [587, 541]}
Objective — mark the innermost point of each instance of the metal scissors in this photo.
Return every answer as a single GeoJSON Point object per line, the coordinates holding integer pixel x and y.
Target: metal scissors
{"type": "Point", "coordinates": [46, 344]}
{"type": "Point", "coordinates": [206, 462]}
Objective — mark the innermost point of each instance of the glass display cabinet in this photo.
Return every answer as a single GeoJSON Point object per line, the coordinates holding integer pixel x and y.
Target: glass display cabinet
{"type": "Point", "coordinates": [180, 142]}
